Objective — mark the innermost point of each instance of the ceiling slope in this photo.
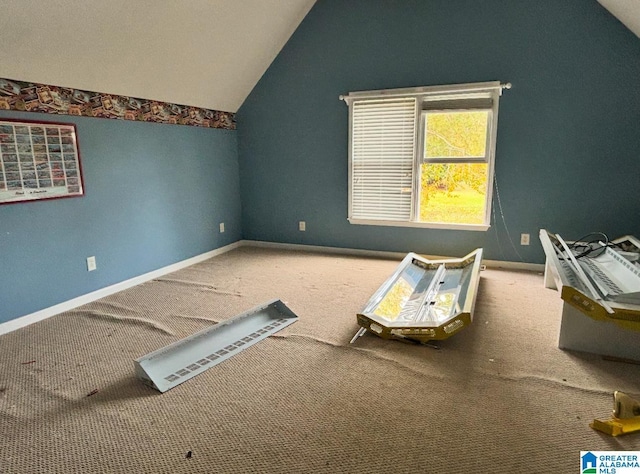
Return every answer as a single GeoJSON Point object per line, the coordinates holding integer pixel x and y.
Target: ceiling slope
{"type": "Point", "coordinates": [204, 53]}
{"type": "Point", "coordinates": [627, 11]}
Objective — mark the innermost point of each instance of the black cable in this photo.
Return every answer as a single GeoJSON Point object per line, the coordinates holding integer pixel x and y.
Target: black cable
{"type": "Point", "coordinates": [585, 249]}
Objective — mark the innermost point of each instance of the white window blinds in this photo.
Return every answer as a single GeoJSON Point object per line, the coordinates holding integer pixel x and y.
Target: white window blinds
{"type": "Point", "coordinates": [383, 142]}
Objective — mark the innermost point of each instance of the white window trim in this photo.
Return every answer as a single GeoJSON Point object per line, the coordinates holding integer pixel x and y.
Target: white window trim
{"type": "Point", "coordinates": [494, 88]}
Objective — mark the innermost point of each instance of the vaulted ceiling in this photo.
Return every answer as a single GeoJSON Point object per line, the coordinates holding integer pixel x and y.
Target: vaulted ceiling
{"type": "Point", "coordinates": [205, 53]}
{"type": "Point", "coordinates": [627, 11]}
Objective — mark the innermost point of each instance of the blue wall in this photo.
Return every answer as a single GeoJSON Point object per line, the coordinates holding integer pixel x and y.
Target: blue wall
{"type": "Point", "coordinates": [568, 151]}
{"type": "Point", "coordinates": [154, 195]}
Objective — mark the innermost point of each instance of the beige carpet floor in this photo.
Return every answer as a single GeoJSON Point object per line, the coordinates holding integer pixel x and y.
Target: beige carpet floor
{"type": "Point", "coordinates": [497, 397]}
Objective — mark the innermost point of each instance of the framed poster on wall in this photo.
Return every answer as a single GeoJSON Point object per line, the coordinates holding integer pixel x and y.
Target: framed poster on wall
{"type": "Point", "coordinates": [38, 160]}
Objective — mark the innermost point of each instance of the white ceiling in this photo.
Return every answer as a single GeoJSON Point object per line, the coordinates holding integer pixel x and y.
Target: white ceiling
{"type": "Point", "coordinates": [627, 11]}
{"type": "Point", "coordinates": [205, 53]}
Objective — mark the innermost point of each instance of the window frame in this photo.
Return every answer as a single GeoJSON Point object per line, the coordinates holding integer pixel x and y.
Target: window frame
{"type": "Point", "coordinates": [423, 95]}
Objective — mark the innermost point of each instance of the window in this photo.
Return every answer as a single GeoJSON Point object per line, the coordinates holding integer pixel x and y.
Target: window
{"type": "Point", "coordinates": [423, 157]}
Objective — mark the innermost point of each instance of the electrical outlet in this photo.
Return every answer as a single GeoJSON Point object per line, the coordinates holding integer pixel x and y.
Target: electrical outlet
{"type": "Point", "coordinates": [524, 239]}
{"type": "Point", "coordinates": [302, 226]}
{"type": "Point", "coordinates": [91, 264]}
{"type": "Point", "coordinates": [221, 227]}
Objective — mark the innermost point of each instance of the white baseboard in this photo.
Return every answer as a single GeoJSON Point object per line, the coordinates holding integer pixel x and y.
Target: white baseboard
{"type": "Point", "coordinates": [109, 290]}
{"type": "Point", "coordinates": [123, 285]}
{"type": "Point", "coordinates": [528, 267]}
{"type": "Point", "coordinates": [321, 249]}
{"type": "Point", "coordinates": [531, 267]}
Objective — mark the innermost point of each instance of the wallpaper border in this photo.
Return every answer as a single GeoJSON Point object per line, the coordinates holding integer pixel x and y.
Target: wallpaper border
{"type": "Point", "coordinates": [25, 96]}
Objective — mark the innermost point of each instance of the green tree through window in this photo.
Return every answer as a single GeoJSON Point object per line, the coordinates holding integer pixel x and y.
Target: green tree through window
{"type": "Point", "coordinates": [453, 186]}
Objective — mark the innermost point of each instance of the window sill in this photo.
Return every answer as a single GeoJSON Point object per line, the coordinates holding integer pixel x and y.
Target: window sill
{"type": "Point", "coordinates": [424, 225]}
